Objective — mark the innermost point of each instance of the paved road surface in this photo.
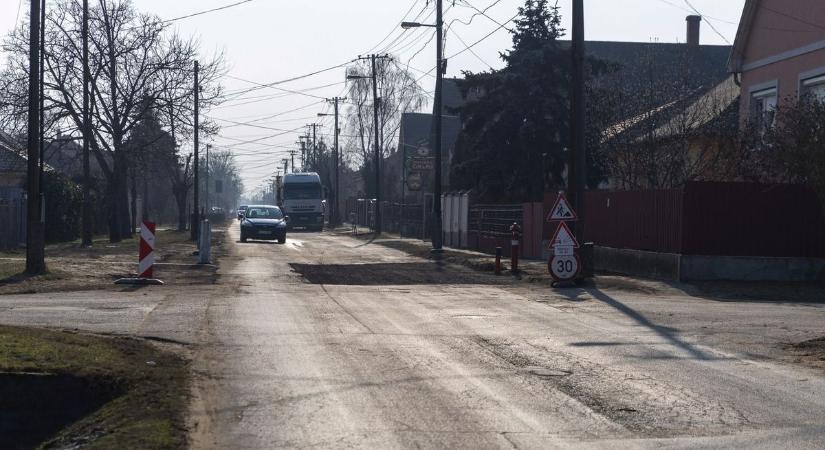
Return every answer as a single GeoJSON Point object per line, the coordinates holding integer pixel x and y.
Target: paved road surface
{"type": "Point", "coordinates": [375, 349]}
{"type": "Point", "coordinates": [468, 365]}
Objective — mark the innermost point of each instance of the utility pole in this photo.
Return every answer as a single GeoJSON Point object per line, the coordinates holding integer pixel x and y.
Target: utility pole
{"type": "Point", "coordinates": [315, 158]}
{"type": "Point", "coordinates": [196, 199]}
{"type": "Point", "coordinates": [303, 156]}
{"type": "Point", "coordinates": [375, 107]}
{"type": "Point", "coordinates": [35, 257]}
{"type": "Point", "coordinates": [208, 206]}
{"type": "Point", "coordinates": [86, 212]}
{"type": "Point", "coordinates": [438, 235]}
{"type": "Point", "coordinates": [286, 165]}
{"type": "Point", "coordinates": [577, 164]}
{"type": "Point", "coordinates": [42, 108]}
{"type": "Point", "coordinates": [292, 155]}
{"type": "Point", "coordinates": [334, 215]}
{"type": "Point", "coordinates": [377, 149]}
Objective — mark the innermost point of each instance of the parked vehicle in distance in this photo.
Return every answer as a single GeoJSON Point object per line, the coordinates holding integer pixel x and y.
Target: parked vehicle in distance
{"type": "Point", "coordinates": [241, 211]}
{"type": "Point", "coordinates": [264, 222]}
{"type": "Point", "coordinates": [303, 200]}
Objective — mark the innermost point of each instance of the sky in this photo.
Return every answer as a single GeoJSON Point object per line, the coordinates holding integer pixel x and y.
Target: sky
{"type": "Point", "coordinates": [264, 41]}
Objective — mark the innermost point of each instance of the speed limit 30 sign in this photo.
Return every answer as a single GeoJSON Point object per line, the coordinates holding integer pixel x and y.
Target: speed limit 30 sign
{"type": "Point", "coordinates": [564, 267]}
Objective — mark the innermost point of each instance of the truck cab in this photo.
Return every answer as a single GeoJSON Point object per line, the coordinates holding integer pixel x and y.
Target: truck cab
{"type": "Point", "coordinates": [303, 200]}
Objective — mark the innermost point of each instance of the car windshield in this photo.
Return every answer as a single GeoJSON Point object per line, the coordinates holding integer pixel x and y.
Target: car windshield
{"type": "Point", "coordinates": [264, 213]}
{"type": "Point", "coordinates": [302, 192]}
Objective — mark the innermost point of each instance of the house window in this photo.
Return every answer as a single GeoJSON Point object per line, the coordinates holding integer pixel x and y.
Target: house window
{"type": "Point", "coordinates": [763, 107]}
{"type": "Point", "coordinates": [814, 88]}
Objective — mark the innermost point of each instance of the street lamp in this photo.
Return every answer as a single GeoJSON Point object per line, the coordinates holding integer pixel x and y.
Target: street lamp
{"type": "Point", "coordinates": [439, 79]}
{"type": "Point", "coordinates": [408, 25]}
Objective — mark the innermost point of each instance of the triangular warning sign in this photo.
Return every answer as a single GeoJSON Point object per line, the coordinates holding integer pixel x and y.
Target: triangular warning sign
{"type": "Point", "coordinates": [562, 211]}
{"type": "Point", "coordinates": [563, 237]}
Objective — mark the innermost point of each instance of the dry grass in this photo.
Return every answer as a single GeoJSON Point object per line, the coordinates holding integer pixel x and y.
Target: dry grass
{"type": "Point", "coordinates": [72, 268]}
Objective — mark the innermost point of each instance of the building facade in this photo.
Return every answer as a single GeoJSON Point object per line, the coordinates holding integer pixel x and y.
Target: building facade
{"type": "Point", "coordinates": [779, 54]}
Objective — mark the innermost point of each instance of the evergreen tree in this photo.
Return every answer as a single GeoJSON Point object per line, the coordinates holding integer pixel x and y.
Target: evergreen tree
{"type": "Point", "coordinates": [516, 123]}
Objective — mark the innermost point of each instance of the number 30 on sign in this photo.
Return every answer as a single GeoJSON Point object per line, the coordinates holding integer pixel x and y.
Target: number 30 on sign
{"type": "Point", "coordinates": [564, 267]}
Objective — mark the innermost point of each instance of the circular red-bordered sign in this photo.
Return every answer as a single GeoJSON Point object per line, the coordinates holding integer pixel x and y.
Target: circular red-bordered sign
{"type": "Point", "coordinates": [564, 267]}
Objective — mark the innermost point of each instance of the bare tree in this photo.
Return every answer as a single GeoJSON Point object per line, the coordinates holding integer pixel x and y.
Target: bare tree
{"type": "Point", "coordinates": [398, 93]}
{"type": "Point", "coordinates": [137, 64]}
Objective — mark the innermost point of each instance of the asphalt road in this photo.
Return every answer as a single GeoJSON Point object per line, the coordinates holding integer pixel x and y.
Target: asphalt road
{"type": "Point", "coordinates": [374, 349]}
{"type": "Point", "coordinates": [333, 342]}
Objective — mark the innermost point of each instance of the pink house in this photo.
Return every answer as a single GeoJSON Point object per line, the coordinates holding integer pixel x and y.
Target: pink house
{"type": "Point", "coordinates": [779, 54]}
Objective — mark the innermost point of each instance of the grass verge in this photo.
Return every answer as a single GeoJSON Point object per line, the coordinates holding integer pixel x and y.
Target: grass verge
{"type": "Point", "coordinates": [141, 390]}
{"type": "Point", "coordinates": [72, 268]}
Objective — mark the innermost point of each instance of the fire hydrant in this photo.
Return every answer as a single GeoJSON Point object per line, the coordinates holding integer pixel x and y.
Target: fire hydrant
{"type": "Point", "coordinates": [516, 231]}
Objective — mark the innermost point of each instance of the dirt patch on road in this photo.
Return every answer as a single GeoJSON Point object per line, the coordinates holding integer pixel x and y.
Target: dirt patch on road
{"type": "Point", "coordinates": [72, 391]}
{"type": "Point", "coordinates": [810, 353]}
{"type": "Point", "coordinates": [72, 268]}
{"type": "Point", "coordinates": [388, 274]}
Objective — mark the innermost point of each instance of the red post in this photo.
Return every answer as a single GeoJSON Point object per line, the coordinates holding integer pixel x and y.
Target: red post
{"type": "Point", "coordinates": [498, 260]}
{"type": "Point", "coordinates": [516, 230]}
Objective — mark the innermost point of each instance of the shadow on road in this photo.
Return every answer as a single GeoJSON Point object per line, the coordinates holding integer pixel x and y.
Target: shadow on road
{"type": "Point", "coordinates": [385, 274]}
{"type": "Point", "coordinates": [669, 334]}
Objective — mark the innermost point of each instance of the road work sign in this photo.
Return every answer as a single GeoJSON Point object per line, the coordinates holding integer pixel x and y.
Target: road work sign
{"type": "Point", "coordinates": [563, 238]}
{"type": "Point", "coordinates": [562, 212]}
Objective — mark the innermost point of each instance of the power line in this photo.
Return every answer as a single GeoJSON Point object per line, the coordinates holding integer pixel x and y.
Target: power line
{"type": "Point", "coordinates": [200, 13]}
{"type": "Point", "coordinates": [687, 2]}
{"type": "Point", "coordinates": [478, 12]}
{"type": "Point", "coordinates": [288, 80]}
{"type": "Point", "coordinates": [394, 28]}
{"type": "Point", "coordinates": [472, 51]}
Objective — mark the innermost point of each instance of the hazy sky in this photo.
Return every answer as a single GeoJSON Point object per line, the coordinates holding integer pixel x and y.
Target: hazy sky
{"type": "Point", "coordinates": [271, 40]}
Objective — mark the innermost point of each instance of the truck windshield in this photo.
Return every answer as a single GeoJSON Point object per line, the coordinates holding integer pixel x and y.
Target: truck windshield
{"type": "Point", "coordinates": [302, 192]}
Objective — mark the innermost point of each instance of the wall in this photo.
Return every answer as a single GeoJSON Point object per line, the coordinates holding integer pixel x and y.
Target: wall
{"type": "Point", "coordinates": [774, 34]}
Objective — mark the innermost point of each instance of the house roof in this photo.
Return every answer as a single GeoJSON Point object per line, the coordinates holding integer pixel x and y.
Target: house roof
{"type": "Point", "coordinates": [11, 159]}
{"type": "Point", "coordinates": [706, 61]}
{"type": "Point", "coordinates": [737, 55]}
{"type": "Point", "coordinates": [698, 112]}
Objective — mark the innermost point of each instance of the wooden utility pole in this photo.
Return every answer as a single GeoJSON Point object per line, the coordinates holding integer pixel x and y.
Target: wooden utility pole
{"type": "Point", "coordinates": [577, 164]}
{"type": "Point", "coordinates": [376, 102]}
{"type": "Point", "coordinates": [42, 104]}
{"type": "Point", "coordinates": [35, 252]}
{"type": "Point", "coordinates": [337, 165]}
{"type": "Point", "coordinates": [86, 211]}
{"type": "Point", "coordinates": [438, 235]}
{"type": "Point", "coordinates": [196, 199]}
{"type": "Point", "coordinates": [377, 147]}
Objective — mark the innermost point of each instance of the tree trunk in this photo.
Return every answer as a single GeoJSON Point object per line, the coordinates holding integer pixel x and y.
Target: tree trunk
{"type": "Point", "coordinates": [180, 198]}
{"type": "Point", "coordinates": [114, 222]}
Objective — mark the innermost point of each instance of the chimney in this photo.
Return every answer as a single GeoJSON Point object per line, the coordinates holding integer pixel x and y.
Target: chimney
{"type": "Point", "coordinates": [693, 26]}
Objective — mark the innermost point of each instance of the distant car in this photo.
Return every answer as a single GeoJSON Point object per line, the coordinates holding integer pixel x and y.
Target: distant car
{"type": "Point", "coordinates": [264, 222]}
{"type": "Point", "coordinates": [241, 212]}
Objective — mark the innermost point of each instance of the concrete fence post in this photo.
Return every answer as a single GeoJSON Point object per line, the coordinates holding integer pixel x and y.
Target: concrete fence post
{"type": "Point", "coordinates": [205, 250]}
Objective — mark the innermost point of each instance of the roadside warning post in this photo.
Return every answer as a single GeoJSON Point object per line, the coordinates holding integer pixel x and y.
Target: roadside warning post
{"type": "Point", "coordinates": [514, 247]}
{"type": "Point", "coordinates": [146, 262]}
{"type": "Point", "coordinates": [564, 264]}
{"type": "Point", "coordinates": [146, 258]}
